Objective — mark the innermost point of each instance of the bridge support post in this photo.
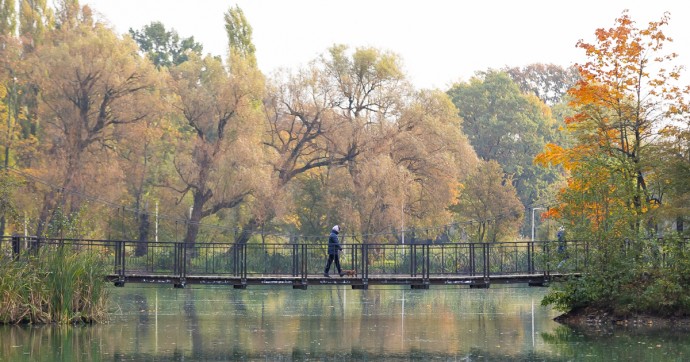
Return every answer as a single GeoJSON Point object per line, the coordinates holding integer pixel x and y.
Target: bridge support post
{"type": "Point", "coordinates": [180, 284]}
{"type": "Point", "coordinates": [481, 285]}
{"type": "Point", "coordinates": [16, 246]}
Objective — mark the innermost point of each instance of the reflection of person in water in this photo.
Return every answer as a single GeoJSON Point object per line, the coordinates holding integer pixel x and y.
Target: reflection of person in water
{"type": "Point", "coordinates": [334, 249]}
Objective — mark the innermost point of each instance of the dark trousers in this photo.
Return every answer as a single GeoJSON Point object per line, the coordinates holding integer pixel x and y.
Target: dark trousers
{"type": "Point", "coordinates": [332, 257]}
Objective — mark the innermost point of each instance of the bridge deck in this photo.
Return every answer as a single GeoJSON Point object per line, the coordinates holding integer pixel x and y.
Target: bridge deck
{"type": "Point", "coordinates": [298, 282]}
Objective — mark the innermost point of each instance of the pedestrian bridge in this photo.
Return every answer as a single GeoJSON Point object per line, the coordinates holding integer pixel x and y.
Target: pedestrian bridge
{"type": "Point", "coordinates": [419, 265]}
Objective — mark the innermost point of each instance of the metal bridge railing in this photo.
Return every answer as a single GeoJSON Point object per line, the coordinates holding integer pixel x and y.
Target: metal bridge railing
{"type": "Point", "coordinates": [302, 260]}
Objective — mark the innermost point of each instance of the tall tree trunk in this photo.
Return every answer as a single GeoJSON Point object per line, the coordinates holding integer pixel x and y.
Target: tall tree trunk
{"type": "Point", "coordinates": [43, 216]}
{"type": "Point", "coordinates": [144, 226]}
{"type": "Point", "coordinates": [247, 231]}
{"type": "Point", "coordinates": [195, 217]}
{"type": "Point", "coordinates": [679, 224]}
{"type": "Point", "coordinates": [56, 200]}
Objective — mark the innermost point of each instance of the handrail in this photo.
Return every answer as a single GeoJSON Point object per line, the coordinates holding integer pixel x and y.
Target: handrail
{"type": "Point", "coordinates": [421, 261]}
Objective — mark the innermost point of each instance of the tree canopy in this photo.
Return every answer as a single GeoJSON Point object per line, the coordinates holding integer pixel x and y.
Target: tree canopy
{"type": "Point", "coordinates": [630, 113]}
{"type": "Point", "coordinates": [510, 127]}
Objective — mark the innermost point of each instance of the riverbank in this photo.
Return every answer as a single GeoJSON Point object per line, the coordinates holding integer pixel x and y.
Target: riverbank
{"type": "Point", "coordinates": [592, 317]}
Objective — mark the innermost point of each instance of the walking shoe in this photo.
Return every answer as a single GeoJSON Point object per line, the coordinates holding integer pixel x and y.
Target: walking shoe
{"type": "Point", "coordinates": [342, 275]}
{"type": "Point", "coordinates": [326, 275]}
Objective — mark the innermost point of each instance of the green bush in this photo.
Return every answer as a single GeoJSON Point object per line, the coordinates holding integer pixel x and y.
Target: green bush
{"type": "Point", "coordinates": [640, 277]}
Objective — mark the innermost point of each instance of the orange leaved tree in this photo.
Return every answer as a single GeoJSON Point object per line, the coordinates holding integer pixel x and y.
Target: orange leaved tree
{"type": "Point", "coordinates": [625, 99]}
{"type": "Point", "coordinates": [625, 96]}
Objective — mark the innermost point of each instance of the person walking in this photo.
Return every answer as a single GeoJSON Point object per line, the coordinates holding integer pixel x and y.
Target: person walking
{"type": "Point", "coordinates": [334, 249]}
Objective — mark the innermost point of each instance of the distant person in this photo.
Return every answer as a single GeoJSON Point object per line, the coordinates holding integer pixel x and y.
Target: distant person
{"type": "Point", "coordinates": [561, 240]}
{"type": "Point", "coordinates": [334, 249]}
{"type": "Point", "coordinates": [561, 246]}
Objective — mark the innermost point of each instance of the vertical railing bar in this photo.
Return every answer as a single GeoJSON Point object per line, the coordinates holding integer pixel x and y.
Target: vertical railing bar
{"type": "Point", "coordinates": [427, 261]}
{"type": "Point", "coordinates": [294, 260]}
{"type": "Point", "coordinates": [244, 262]}
{"type": "Point", "coordinates": [486, 260]}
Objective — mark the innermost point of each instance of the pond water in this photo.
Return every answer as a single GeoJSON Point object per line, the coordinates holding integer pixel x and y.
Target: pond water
{"type": "Point", "coordinates": [335, 324]}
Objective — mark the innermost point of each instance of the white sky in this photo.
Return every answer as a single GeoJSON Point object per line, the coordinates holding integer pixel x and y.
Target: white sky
{"type": "Point", "coordinates": [439, 41]}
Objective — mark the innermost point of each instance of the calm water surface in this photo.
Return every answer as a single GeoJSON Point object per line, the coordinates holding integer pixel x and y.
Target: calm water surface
{"type": "Point", "coordinates": [334, 323]}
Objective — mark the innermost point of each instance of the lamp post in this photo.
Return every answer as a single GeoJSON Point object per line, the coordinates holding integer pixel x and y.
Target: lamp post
{"type": "Point", "coordinates": [533, 210]}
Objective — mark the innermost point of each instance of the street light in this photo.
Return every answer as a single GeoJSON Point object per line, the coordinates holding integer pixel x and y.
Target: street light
{"type": "Point", "coordinates": [534, 209]}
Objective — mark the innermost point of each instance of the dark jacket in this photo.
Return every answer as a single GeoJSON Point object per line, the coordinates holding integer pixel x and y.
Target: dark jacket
{"type": "Point", "coordinates": [333, 243]}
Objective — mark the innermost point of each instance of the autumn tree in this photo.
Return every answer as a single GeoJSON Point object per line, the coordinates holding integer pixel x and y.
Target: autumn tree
{"type": "Point", "coordinates": [370, 148]}
{"type": "Point", "coordinates": [16, 145]}
{"type": "Point", "coordinates": [432, 155]}
{"type": "Point", "coordinates": [488, 203]}
{"type": "Point", "coordinates": [669, 184]}
{"type": "Point", "coordinates": [625, 96]}
{"type": "Point", "coordinates": [17, 128]}
{"type": "Point", "coordinates": [91, 83]}
{"type": "Point", "coordinates": [619, 172]}
{"type": "Point", "coordinates": [216, 161]}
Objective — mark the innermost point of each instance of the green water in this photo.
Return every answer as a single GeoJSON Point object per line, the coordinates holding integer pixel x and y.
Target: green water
{"type": "Point", "coordinates": [334, 324]}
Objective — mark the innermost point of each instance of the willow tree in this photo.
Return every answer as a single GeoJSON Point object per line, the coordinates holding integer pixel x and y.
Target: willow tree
{"type": "Point", "coordinates": [351, 130]}
{"type": "Point", "coordinates": [91, 83]}
{"type": "Point", "coordinates": [488, 204]}
{"type": "Point", "coordinates": [325, 117]}
{"type": "Point", "coordinates": [431, 155]}
{"type": "Point", "coordinates": [218, 160]}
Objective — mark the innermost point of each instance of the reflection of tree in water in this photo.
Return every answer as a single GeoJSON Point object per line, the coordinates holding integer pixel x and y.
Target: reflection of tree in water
{"type": "Point", "coordinates": [237, 299]}
{"type": "Point", "coordinates": [236, 328]}
{"type": "Point", "coordinates": [312, 313]}
{"type": "Point", "coordinates": [193, 322]}
{"type": "Point", "coordinates": [606, 343]}
{"type": "Point", "coordinates": [140, 302]}
{"type": "Point", "coordinates": [337, 324]}
{"type": "Point", "coordinates": [141, 305]}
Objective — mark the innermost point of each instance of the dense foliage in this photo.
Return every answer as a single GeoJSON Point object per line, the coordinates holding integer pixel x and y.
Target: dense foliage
{"type": "Point", "coordinates": [622, 193]}
{"type": "Point", "coordinates": [143, 138]}
{"type": "Point", "coordinates": [510, 127]}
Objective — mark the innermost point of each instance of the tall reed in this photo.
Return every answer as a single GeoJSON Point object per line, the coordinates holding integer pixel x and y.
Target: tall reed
{"type": "Point", "coordinates": [60, 285]}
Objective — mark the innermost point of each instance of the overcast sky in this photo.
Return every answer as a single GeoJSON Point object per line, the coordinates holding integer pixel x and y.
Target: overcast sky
{"type": "Point", "coordinates": [440, 42]}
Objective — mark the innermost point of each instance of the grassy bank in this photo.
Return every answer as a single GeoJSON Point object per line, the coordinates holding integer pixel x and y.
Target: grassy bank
{"type": "Point", "coordinates": [61, 285]}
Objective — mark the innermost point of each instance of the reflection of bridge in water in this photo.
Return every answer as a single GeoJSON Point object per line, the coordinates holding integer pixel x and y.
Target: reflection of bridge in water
{"type": "Point", "coordinates": [476, 265]}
